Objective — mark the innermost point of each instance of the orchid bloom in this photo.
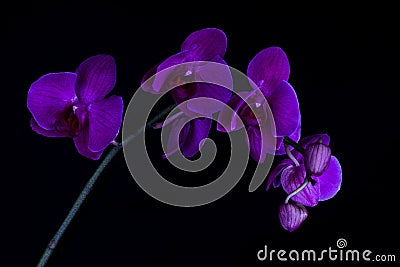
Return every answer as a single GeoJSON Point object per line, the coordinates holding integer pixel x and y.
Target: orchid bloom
{"type": "Point", "coordinates": [74, 104]}
{"type": "Point", "coordinates": [207, 45]}
{"type": "Point", "coordinates": [269, 71]}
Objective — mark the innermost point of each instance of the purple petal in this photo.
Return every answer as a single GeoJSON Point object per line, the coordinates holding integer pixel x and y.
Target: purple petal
{"type": "Point", "coordinates": [294, 136]}
{"type": "Point", "coordinates": [170, 73]}
{"type": "Point", "coordinates": [274, 175]}
{"type": "Point", "coordinates": [304, 142]}
{"type": "Point", "coordinates": [47, 133]}
{"type": "Point", "coordinates": [174, 60]}
{"type": "Point", "coordinates": [221, 77]}
{"type": "Point", "coordinates": [276, 183]}
{"type": "Point", "coordinates": [285, 108]}
{"type": "Point", "coordinates": [182, 93]}
{"type": "Point", "coordinates": [105, 118]}
{"type": "Point", "coordinates": [96, 78]}
{"type": "Point", "coordinates": [254, 135]}
{"type": "Point", "coordinates": [215, 71]}
{"type": "Point", "coordinates": [206, 106]}
{"type": "Point", "coordinates": [191, 143]}
{"type": "Point", "coordinates": [268, 68]}
{"type": "Point", "coordinates": [260, 143]}
{"type": "Point", "coordinates": [205, 44]}
{"type": "Point", "coordinates": [228, 116]}
{"type": "Point", "coordinates": [292, 178]}
{"type": "Point", "coordinates": [190, 135]}
{"type": "Point", "coordinates": [292, 215]}
{"type": "Point", "coordinates": [81, 144]}
{"type": "Point", "coordinates": [331, 180]}
{"type": "Point", "coordinates": [146, 84]}
{"type": "Point", "coordinates": [179, 130]}
{"type": "Point", "coordinates": [49, 95]}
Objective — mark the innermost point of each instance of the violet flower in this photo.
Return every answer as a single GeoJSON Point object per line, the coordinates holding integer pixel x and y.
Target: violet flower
{"type": "Point", "coordinates": [200, 46]}
{"type": "Point", "coordinates": [75, 105]}
{"type": "Point", "coordinates": [294, 174]}
{"type": "Point", "coordinates": [269, 70]}
{"type": "Point", "coordinates": [249, 111]}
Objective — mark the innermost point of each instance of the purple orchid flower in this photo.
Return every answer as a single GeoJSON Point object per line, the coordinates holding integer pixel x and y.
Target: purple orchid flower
{"type": "Point", "coordinates": [249, 110]}
{"type": "Point", "coordinates": [75, 105]}
{"type": "Point", "coordinates": [269, 70]}
{"type": "Point", "coordinates": [207, 45]}
{"type": "Point", "coordinates": [294, 173]}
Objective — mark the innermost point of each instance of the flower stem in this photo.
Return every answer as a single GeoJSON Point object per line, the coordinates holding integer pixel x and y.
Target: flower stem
{"type": "Point", "coordinates": [290, 155]}
{"type": "Point", "coordinates": [295, 145]}
{"type": "Point", "coordinates": [78, 203]}
{"type": "Point", "coordinates": [89, 185]}
{"type": "Point", "coordinates": [298, 190]}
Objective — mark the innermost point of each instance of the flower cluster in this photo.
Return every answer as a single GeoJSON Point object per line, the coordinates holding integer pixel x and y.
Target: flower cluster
{"type": "Point", "coordinates": [77, 105]}
{"type": "Point", "coordinates": [310, 174]}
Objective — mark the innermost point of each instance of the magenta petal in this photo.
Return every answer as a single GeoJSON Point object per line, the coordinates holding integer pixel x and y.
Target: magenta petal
{"type": "Point", "coordinates": [191, 142]}
{"type": "Point", "coordinates": [47, 133]}
{"type": "Point", "coordinates": [49, 95]}
{"type": "Point", "coordinates": [331, 180]}
{"type": "Point", "coordinates": [274, 174]}
{"type": "Point", "coordinates": [105, 118]}
{"type": "Point", "coordinates": [205, 44]}
{"type": "Point", "coordinates": [81, 144]}
{"type": "Point", "coordinates": [292, 178]}
{"type": "Point", "coordinates": [285, 109]}
{"type": "Point", "coordinates": [96, 78]}
{"type": "Point", "coordinates": [314, 139]}
{"type": "Point", "coordinates": [268, 68]}
{"type": "Point", "coordinates": [292, 215]}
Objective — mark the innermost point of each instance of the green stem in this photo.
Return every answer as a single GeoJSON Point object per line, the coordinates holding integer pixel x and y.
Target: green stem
{"type": "Point", "coordinates": [295, 145]}
{"type": "Point", "coordinates": [88, 188]}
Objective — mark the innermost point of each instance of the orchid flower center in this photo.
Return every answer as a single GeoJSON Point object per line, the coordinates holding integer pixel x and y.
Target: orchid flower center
{"type": "Point", "coordinates": [252, 115]}
{"type": "Point", "coordinates": [67, 122]}
{"type": "Point", "coordinates": [184, 92]}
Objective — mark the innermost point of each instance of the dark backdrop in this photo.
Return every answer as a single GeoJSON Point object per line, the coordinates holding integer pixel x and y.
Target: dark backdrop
{"type": "Point", "coordinates": [344, 68]}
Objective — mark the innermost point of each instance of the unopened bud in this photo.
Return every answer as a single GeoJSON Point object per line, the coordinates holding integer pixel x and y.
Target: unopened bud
{"type": "Point", "coordinates": [292, 215]}
{"type": "Point", "coordinates": [317, 158]}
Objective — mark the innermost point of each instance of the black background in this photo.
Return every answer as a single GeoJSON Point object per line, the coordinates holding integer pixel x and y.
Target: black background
{"type": "Point", "coordinates": [344, 68]}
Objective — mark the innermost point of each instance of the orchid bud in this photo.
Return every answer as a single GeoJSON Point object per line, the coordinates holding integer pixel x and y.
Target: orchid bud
{"type": "Point", "coordinates": [292, 215]}
{"type": "Point", "coordinates": [317, 158]}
